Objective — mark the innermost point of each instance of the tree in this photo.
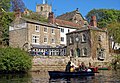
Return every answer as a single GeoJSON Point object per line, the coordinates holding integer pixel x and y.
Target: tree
{"type": "Point", "coordinates": [4, 5]}
{"type": "Point", "coordinates": [17, 5]}
{"type": "Point", "coordinates": [114, 31]}
{"type": "Point", "coordinates": [104, 16]}
{"type": "Point", "coordinates": [5, 19]}
{"type": "Point", "coordinates": [14, 60]}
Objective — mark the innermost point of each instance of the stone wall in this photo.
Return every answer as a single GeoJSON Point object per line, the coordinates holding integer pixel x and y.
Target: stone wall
{"type": "Point", "coordinates": [17, 38]}
{"type": "Point", "coordinates": [46, 63]}
{"type": "Point", "coordinates": [52, 63]}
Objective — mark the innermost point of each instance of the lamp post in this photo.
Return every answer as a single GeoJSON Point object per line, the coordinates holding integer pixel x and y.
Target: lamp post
{"type": "Point", "coordinates": [77, 49]}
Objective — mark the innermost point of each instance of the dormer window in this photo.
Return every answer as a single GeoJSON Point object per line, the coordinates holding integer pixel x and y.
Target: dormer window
{"type": "Point", "coordinates": [83, 38]}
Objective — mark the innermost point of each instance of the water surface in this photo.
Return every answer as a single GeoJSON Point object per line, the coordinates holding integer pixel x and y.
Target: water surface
{"type": "Point", "coordinates": [105, 76]}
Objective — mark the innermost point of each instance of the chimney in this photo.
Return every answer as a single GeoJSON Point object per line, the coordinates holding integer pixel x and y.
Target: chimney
{"type": "Point", "coordinates": [93, 21]}
{"type": "Point", "coordinates": [51, 18]}
{"type": "Point", "coordinates": [17, 13]}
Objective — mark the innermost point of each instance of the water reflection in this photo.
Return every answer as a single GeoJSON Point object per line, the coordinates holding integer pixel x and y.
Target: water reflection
{"type": "Point", "coordinates": [15, 78]}
{"type": "Point", "coordinates": [43, 77]}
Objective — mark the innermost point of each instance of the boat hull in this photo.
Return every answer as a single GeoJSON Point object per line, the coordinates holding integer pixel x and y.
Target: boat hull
{"type": "Point", "coordinates": [59, 74]}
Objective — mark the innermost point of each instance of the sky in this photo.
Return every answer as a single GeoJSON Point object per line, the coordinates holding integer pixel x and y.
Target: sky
{"type": "Point", "coordinates": [62, 6]}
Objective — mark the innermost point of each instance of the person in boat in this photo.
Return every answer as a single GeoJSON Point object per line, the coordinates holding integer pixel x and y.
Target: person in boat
{"type": "Point", "coordinates": [72, 68]}
{"type": "Point", "coordinates": [82, 67]}
{"type": "Point", "coordinates": [68, 66]}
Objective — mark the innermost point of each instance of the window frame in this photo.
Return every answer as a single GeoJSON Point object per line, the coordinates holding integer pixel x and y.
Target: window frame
{"type": "Point", "coordinates": [62, 30]}
{"type": "Point", "coordinates": [53, 41]}
{"type": "Point", "coordinates": [35, 40]}
{"type": "Point", "coordinates": [84, 52]}
{"type": "Point", "coordinates": [37, 30]}
{"type": "Point", "coordinates": [52, 30]}
{"type": "Point", "coordinates": [45, 38]}
{"type": "Point", "coordinates": [62, 39]}
{"type": "Point", "coordinates": [83, 38]}
{"type": "Point", "coordinates": [45, 29]}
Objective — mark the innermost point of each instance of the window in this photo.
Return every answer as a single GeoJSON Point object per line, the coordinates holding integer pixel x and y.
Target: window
{"type": "Point", "coordinates": [45, 29]}
{"type": "Point", "coordinates": [53, 40]}
{"type": "Point", "coordinates": [41, 8]}
{"type": "Point", "coordinates": [83, 38]}
{"type": "Point", "coordinates": [52, 30]}
{"type": "Point", "coordinates": [37, 28]}
{"type": "Point", "coordinates": [45, 39]}
{"type": "Point", "coordinates": [62, 39]}
{"type": "Point", "coordinates": [78, 52]}
{"type": "Point", "coordinates": [71, 40]}
{"type": "Point", "coordinates": [99, 38]}
{"type": "Point", "coordinates": [71, 52]}
{"type": "Point", "coordinates": [100, 53]}
{"type": "Point", "coordinates": [68, 30]}
{"type": "Point", "coordinates": [35, 39]}
{"type": "Point", "coordinates": [62, 30]}
{"type": "Point", "coordinates": [84, 51]}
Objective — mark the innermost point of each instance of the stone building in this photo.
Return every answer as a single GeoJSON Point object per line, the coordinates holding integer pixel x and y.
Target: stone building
{"type": "Point", "coordinates": [89, 43]}
{"type": "Point", "coordinates": [25, 31]}
{"type": "Point", "coordinates": [73, 16]}
{"type": "Point", "coordinates": [43, 9]}
{"type": "Point", "coordinates": [33, 35]}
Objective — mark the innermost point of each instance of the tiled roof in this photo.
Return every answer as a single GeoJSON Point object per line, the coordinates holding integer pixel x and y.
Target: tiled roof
{"type": "Point", "coordinates": [69, 15]}
{"type": "Point", "coordinates": [67, 23]}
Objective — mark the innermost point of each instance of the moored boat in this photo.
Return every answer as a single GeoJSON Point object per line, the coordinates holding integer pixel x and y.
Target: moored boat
{"type": "Point", "coordinates": [103, 68]}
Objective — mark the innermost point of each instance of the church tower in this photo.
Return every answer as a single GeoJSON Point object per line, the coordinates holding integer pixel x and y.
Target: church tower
{"type": "Point", "coordinates": [43, 9]}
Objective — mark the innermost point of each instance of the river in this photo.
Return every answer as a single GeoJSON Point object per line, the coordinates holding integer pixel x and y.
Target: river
{"type": "Point", "coordinates": [104, 76]}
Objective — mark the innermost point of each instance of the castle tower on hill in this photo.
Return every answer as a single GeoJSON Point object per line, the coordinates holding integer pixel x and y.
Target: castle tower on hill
{"type": "Point", "coordinates": [43, 9]}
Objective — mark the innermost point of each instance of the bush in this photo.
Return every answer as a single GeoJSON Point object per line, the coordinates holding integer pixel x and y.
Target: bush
{"type": "Point", "coordinates": [14, 60]}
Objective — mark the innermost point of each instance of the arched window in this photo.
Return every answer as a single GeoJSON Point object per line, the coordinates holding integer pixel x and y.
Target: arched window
{"type": "Point", "coordinates": [83, 38]}
{"type": "Point", "coordinates": [78, 52]}
{"type": "Point", "coordinates": [84, 51]}
{"type": "Point", "coordinates": [71, 52]}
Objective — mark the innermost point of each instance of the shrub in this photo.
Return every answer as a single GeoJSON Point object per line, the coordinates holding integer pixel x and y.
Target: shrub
{"type": "Point", "coordinates": [14, 60]}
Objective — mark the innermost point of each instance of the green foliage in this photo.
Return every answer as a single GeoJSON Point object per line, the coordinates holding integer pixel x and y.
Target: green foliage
{"type": "Point", "coordinates": [14, 60]}
{"type": "Point", "coordinates": [5, 19]}
{"type": "Point", "coordinates": [36, 16]}
{"type": "Point", "coordinates": [104, 16]}
{"type": "Point", "coordinates": [4, 5]}
{"type": "Point", "coordinates": [114, 31]}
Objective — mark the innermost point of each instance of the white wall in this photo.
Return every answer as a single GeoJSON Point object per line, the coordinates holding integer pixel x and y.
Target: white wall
{"type": "Point", "coordinates": [63, 34]}
{"type": "Point", "coordinates": [117, 46]}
